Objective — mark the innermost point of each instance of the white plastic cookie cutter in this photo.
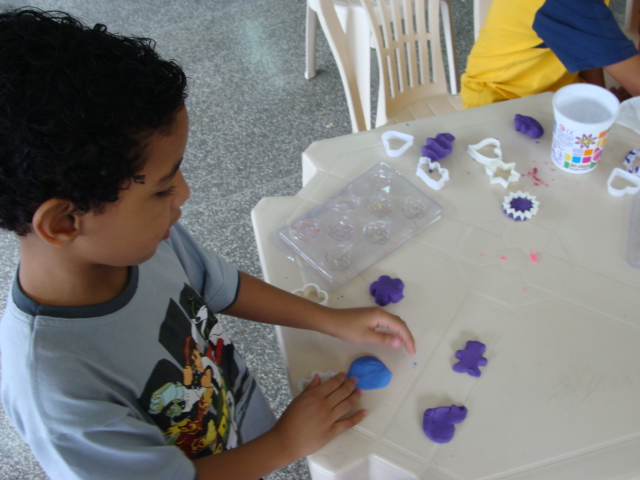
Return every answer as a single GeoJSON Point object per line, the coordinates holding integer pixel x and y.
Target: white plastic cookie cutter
{"type": "Point", "coordinates": [394, 135]}
{"type": "Point", "coordinates": [633, 179]}
{"type": "Point", "coordinates": [492, 170]}
{"type": "Point", "coordinates": [474, 151]}
{"type": "Point", "coordinates": [324, 376]}
{"type": "Point", "coordinates": [431, 166]}
{"type": "Point", "coordinates": [313, 292]}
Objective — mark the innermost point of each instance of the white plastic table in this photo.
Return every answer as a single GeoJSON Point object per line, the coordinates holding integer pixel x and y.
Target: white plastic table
{"type": "Point", "coordinates": [560, 396]}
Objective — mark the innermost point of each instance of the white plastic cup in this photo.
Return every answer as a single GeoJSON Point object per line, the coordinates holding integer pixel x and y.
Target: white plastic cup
{"type": "Point", "coordinates": [583, 114]}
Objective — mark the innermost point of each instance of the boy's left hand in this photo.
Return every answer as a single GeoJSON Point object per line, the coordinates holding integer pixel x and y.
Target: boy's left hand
{"type": "Point", "coordinates": [372, 325]}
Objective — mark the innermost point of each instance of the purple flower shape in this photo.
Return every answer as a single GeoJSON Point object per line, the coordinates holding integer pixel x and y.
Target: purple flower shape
{"type": "Point", "coordinates": [439, 147]}
{"type": "Point", "coordinates": [438, 423]}
{"type": "Point", "coordinates": [471, 358]}
{"type": "Point", "coordinates": [528, 125]}
{"type": "Point", "coordinates": [370, 372]}
{"type": "Point", "coordinates": [387, 290]}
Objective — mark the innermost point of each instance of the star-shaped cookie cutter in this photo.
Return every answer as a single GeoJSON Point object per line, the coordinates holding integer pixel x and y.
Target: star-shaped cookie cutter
{"type": "Point", "coordinates": [474, 151]}
{"type": "Point", "coordinates": [431, 166]}
{"type": "Point", "coordinates": [491, 171]}
{"type": "Point", "coordinates": [394, 135]}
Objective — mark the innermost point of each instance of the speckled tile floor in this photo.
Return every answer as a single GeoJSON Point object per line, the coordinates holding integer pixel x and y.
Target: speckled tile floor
{"type": "Point", "coordinates": [252, 115]}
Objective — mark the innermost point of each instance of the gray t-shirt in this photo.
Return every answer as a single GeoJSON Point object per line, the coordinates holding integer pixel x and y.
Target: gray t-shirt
{"type": "Point", "coordinates": [135, 387]}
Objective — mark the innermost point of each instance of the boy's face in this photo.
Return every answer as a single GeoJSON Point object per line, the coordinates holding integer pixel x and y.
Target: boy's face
{"type": "Point", "coordinates": [128, 232]}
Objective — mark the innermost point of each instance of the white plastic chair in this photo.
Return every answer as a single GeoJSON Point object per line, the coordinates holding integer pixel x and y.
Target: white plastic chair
{"type": "Point", "coordinates": [480, 9]}
{"type": "Point", "coordinates": [351, 46]}
{"type": "Point", "coordinates": [413, 83]}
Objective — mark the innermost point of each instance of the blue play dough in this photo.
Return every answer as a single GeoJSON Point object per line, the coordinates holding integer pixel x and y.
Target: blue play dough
{"type": "Point", "coordinates": [471, 358]}
{"type": "Point", "coordinates": [370, 372]}
{"type": "Point", "coordinates": [438, 423]}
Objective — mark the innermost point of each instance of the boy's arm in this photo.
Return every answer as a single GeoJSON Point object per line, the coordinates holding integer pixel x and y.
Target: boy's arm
{"type": "Point", "coordinates": [265, 303]}
{"type": "Point", "coordinates": [313, 418]}
{"type": "Point", "coordinates": [627, 74]}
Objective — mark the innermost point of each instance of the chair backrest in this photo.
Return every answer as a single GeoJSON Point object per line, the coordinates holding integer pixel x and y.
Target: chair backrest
{"type": "Point", "coordinates": [411, 65]}
{"type": "Point", "coordinates": [480, 9]}
{"type": "Point", "coordinates": [338, 43]}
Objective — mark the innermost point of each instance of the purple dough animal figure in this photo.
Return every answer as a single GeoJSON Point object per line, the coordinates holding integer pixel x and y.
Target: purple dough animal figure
{"type": "Point", "coordinates": [386, 290]}
{"type": "Point", "coordinates": [528, 125]}
{"type": "Point", "coordinates": [471, 358]}
{"type": "Point", "coordinates": [438, 423]}
{"type": "Point", "coordinates": [439, 147]}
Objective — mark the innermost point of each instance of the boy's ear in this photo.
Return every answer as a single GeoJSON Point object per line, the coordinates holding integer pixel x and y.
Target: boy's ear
{"type": "Point", "coordinates": [55, 222]}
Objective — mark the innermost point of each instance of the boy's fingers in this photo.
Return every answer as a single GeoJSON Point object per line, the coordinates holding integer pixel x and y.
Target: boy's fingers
{"type": "Point", "coordinates": [349, 422]}
{"type": "Point", "coordinates": [399, 329]}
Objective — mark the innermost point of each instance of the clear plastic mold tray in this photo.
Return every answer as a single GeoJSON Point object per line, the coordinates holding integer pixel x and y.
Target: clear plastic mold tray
{"type": "Point", "coordinates": [362, 223]}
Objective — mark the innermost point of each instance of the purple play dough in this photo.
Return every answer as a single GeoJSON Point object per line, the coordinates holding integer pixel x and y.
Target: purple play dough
{"type": "Point", "coordinates": [439, 147]}
{"type": "Point", "coordinates": [471, 358]}
{"type": "Point", "coordinates": [438, 423]}
{"type": "Point", "coordinates": [528, 125]}
{"type": "Point", "coordinates": [519, 204]}
{"type": "Point", "coordinates": [386, 290]}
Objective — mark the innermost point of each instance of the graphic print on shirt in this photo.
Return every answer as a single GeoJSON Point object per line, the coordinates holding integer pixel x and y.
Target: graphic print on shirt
{"type": "Point", "coordinates": [199, 401]}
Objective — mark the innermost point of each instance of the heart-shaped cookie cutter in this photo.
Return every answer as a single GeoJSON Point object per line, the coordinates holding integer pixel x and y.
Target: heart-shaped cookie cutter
{"type": "Point", "coordinates": [633, 179]}
{"type": "Point", "coordinates": [474, 151]}
{"type": "Point", "coordinates": [394, 135]}
{"type": "Point", "coordinates": [431, 166]}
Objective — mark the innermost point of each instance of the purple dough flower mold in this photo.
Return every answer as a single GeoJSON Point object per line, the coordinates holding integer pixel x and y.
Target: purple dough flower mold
{"type": "Point", "coordinates": [471, 358]}
{"type": "Point", "coordinates": [520, 206]}
{"type": "Point", "coordinates": [438, 423]}
{"type": "Point", "coordinates": [370, 372]}
{"type": "Point", "coordinates": [528, 125]}
{"type": "Point", "coordinates": [387, 290]}
{"type": "Point", "coordinates": [439, 147]}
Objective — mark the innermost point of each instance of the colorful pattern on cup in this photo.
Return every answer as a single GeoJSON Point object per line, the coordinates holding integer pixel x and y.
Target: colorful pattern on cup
{"type": "Point", "coordinates": [581, 152]}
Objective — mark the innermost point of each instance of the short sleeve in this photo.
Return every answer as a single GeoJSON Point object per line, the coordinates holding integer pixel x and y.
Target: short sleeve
{"type": "Point", "coordinates": [583, 34]}
{"type": "Point", "coordinates": [215, 279]}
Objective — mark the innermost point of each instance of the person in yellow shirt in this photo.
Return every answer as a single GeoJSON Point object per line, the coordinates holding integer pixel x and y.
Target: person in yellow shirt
{"type": "Point", "coordinates": [533, 46]}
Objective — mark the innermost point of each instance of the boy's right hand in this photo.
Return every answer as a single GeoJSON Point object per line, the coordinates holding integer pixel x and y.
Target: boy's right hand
{"type": "Point", "coordinates": [318, 414]}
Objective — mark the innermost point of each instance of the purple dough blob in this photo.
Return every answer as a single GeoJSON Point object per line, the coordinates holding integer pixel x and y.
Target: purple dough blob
{"type": "Point", "coordinates": [528, 125]}
{"type": "Point", "coordinates": [370, 372]}
{"type": "Point", "coordinates": [519, 204]}
{"type": "Point", "coordinates": [386, 290]}
{"type": "Point", "coordinates": [471, 358]}
{"type": "Point", "coordinates": [438, 423]}
{"type": "Point", "coordinates": [439, 147]}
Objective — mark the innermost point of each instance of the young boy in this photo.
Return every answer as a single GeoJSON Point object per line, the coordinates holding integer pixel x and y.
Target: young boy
{"type": "Point", "coordinates": [114, 365]}
{"type": "Point", "coordinates": [532, 46]}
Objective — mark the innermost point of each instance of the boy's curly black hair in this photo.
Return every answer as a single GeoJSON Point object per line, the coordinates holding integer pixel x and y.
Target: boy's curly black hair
{"type": "Point", "coordinates": [77, 107]}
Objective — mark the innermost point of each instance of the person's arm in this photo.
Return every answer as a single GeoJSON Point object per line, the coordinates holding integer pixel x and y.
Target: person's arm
{"type": "Point", "coordinates": [265, 303]}
{"type": "Point", "coordinates": [627, 74]}
{"type": "Point", "coordinates": [595, 76]}
{"type": "Point", "coordinates": [312, 419]}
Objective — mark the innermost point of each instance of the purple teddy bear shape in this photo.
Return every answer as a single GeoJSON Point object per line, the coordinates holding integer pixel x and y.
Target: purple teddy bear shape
{"type": "Point", "coordinates": [438, 423]}
{"type": "Point", "coordinates": [471, 358]}
{"type": "Point", "coordinates": [528, 125]}
{"type": "Point", "coordinates": [439, 147]}
{"type": "Point", "coordinates": [387, 290]}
